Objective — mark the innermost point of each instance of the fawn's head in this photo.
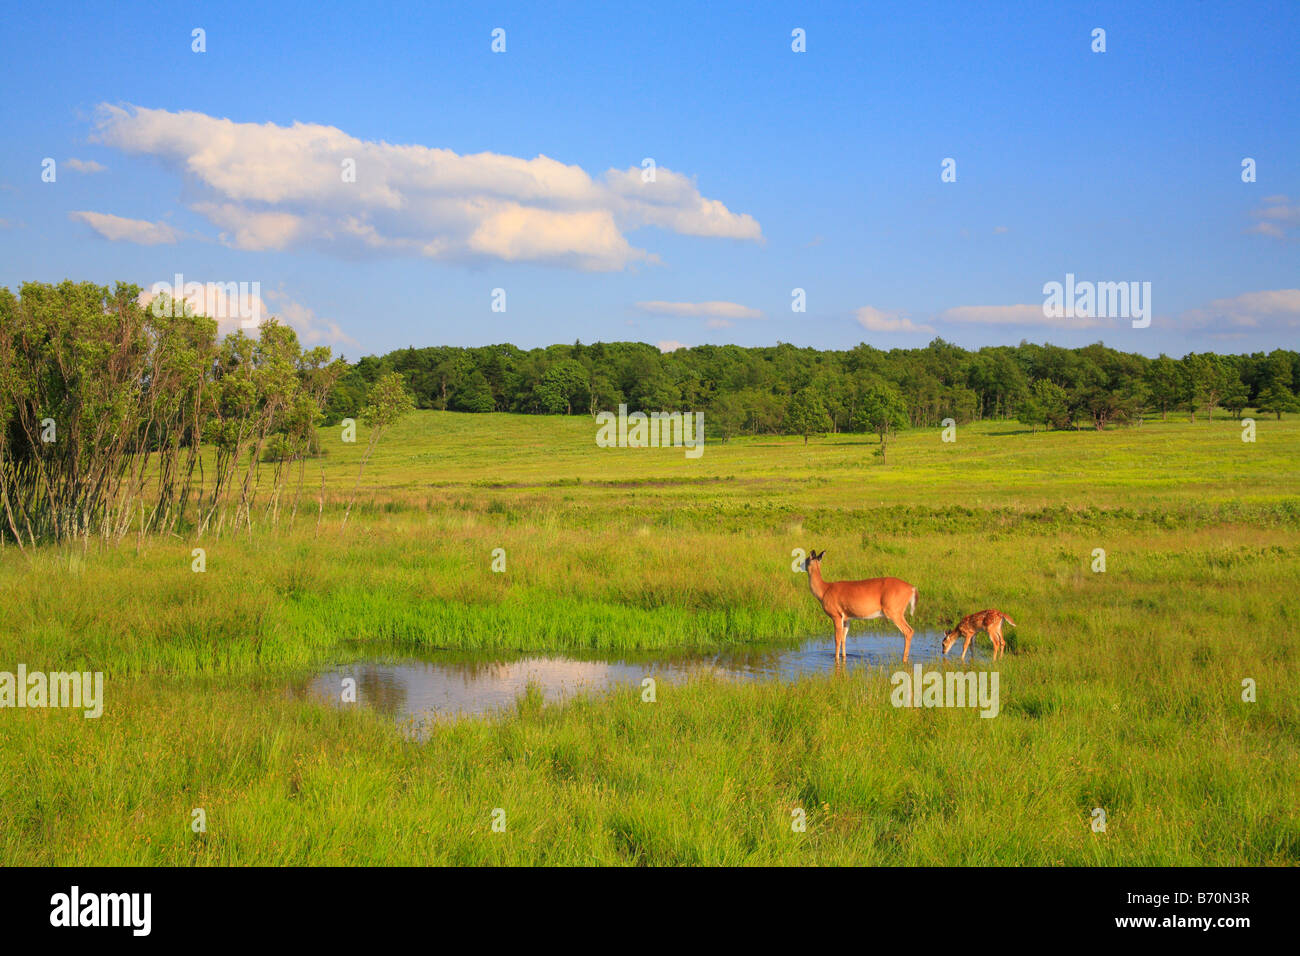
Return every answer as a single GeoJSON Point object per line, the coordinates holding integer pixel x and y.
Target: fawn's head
{"type": "Point", "coordinates": [950, 638]}
{"type": "Point", "coordinates": [813, 559]}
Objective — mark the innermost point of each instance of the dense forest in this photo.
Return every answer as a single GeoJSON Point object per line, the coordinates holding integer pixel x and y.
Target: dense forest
{"type": "Point", "coordinates": [789, 390]}
{"type": "Point", "coordinates": [105, 403]}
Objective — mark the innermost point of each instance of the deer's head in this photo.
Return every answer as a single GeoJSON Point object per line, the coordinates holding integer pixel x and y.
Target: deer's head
{"type": "Point", "coordinates": [813, 560]}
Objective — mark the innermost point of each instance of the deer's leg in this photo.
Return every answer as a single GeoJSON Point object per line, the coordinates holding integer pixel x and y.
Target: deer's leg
{"type": "Point", "coordinates": [966, 646]}
{"type": "Point", "coordinates": [995, 633]}
{"type": "Point", "coordinates": [900, 622]}
{"type": "Point", "coordinates": [840, 633]}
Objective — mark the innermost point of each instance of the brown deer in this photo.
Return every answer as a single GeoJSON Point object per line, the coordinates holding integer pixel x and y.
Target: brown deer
{"type": "Point", "coordinates": [970, 625]}
{"type": "Point", "coordinates": [845, 601]}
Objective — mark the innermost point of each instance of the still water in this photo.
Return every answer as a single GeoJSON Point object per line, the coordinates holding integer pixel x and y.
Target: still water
{"type": "Point", "coordinates": [417, 692]}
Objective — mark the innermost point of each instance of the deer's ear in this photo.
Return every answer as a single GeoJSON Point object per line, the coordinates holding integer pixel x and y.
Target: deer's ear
{"type": "Point", "coordinates": [822, 555]}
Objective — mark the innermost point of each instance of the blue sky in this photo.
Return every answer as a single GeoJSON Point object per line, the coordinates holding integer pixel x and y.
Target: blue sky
{"type": "Point", "coordinates": [776, 170]}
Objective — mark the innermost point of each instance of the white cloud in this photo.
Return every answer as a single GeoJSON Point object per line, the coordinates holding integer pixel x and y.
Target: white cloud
{"type": "Point", "coordinates": [1020, 315]}
{"type": "Point", "coordinates": [1268, 229]}
{"type": "Point", "coordinates": [717, 310]}
{"type": "Point", "coordinates": [311, 329]}
{"type": "Point", "coordinates": [671, 345]}
{"type": "Point", "coordinates": [718, 323]}
{"type": "Point", "coordinates": [118, 228]}
{"type": "Point", "coordinates": [874, 320]}
{"type": "Point", "coordinates": [1277, 217]}
{"type": "Point", "coordinates": [276, 187]}
{"type": "Point", "coordinates": [84, 165]}
{"type": "Point", "coordinates": [1273, 310]}
{"type": "Point", "coordinates": [252, 230]}
{"type": "Point", "coordinates": [215, 300]}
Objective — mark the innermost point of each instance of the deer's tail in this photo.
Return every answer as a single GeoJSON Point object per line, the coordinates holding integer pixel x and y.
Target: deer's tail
{"type": "Point", "coordinates": [911, 606]}
{"type": "Point", "coordinates": [1007, 619]}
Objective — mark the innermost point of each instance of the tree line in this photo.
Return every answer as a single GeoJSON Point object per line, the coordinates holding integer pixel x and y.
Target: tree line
{"type": "Point", "coordinates": [117, 418]}
{"type": "Point", "coordinates": [783, 389]}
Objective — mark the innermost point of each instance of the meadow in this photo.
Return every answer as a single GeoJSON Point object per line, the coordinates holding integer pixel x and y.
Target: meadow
{"type": "Point", "coordinates": [1122, 689]}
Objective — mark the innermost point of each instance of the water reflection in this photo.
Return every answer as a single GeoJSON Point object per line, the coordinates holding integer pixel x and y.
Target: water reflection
{"type": "Point", "coordinates": [417, 692]}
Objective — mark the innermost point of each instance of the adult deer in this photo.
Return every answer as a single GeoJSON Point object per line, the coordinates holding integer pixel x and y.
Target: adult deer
{"type": "Point", "coordinates": [845, 601]}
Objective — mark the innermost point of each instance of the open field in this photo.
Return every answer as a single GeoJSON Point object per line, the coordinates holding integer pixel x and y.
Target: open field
{"type": "Point", "coordinates": [1122, 689]}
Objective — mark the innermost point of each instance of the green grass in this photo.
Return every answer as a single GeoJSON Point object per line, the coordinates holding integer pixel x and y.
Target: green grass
{"type": "Point", "coordinates": [1123, 690]}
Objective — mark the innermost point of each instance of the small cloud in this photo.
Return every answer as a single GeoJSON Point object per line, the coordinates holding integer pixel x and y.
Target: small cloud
{"type": "Point", "coordinates": [1274, 310]}
{"type": "Point", "coordinates": [1278, 217]}
{"type": "Point", "coordinates": [717, 310]}
{"type": "Point", "coordinates": [311, 329]}
{"type": "Point", "coordinates": [1019, 315]}
{"type": "Point", "coordinates": [874, 320]}
{"type": "Point", "coordinates": [1271, 229]}
{"type": "Point", "coordinates": [999, 230]}
{"type": "Point", "coordinates": [671, 345]}
{"type": "Point", "coordinates": [84, 166]}
{"type": "Point", "coordinates": [816, 241]}
{"type": "Point", "coordinates": [117, 228]}
{"type": "Point", "coordinates": [718, 323]}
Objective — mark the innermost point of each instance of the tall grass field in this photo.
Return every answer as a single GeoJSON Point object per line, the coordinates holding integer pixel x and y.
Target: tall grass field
{"type": "Point", "coordinates": [1153, 572]}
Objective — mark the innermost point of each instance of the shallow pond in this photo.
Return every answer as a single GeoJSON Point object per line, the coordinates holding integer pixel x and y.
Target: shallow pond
{"type": "Point", "coordinates": [415, 692]}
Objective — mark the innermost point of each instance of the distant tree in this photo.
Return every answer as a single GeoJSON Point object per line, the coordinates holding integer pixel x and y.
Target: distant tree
{"type": "Point", "coordinates": [1236, 397]}
{"type": "Point", "coordinates": [1111, 394]}
{"type": "Point", "coordinates": [346, 397]}
{"type": "Point", "coordinates": [1165, 384]}
{"type": "Point", "coordinates": [604, 393]}
{"type": "Point", "coordinates": [884, 412]}
{"type": "Point", "coordinates": [1210, 377]}
{"type": "Point", "coordinates": [1031, 412]}
{"type": "Point", "coordinates": [475, 395]}
{"type": "Point", "coordinates": [1275, 394]}
{"type": "Point", "coordinates": [387, 403]}
{"type": "Point", "coordinates": [1050, 403]}
{"type": "Point", "coordinates": [763, 410]}
{"type": "Point", "coordinates": [562, 386]}
{"type": "Point", "coordinates": [727, 414]}
{"type": "Point", "coordinates": [806, 415]}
